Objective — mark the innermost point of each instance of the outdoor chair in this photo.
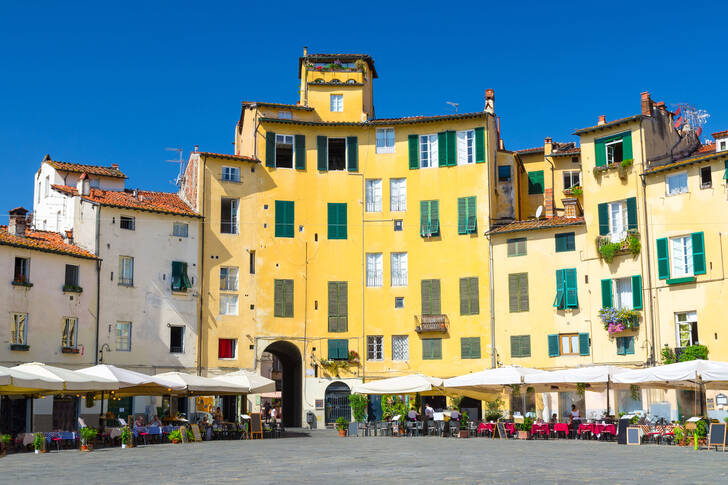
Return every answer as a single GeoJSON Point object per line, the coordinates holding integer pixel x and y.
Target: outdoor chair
{"type": "Point", "coordinates": [668, 434]}
{"type": "Point", "coordinates": [56, 439]}
{"type": "Point", "coordinates": [371, 428]}
{"type": "Point", "coordinates": [649, 434]}
{"type": "Point", "coordinates": [420, 428]}
{"type": "Point", "coordinates": [409, 428]}
{"type": "Point", "coordinates": [440, 428]}
{"type": "Point", "coordinates": [155, 433]}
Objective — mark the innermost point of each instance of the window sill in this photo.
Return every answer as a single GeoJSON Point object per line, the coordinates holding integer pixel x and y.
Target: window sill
{"type": "Point", "coordinates": [21, 283]}
{"type": "Point", "coordinates": [231, 181]}
{"type": "Point", "coordinates": [677, 281]}
{"type": "Point", "coordinates": [180, 292]}
{"type": "Point", "coordinates": [69, 350]}
{"type": "Point", "coordinates": [227, 358]}
{"type": "Point", "coordinates": [176, 351]}
{"type": "Point", "coordinates": [125, 285]}
{"type": "Point", "coordinates": [72, 289]}
{"type": "Point", "coordinates": [20, 347]}
{"type": "Point", "coordinates": [677, 193]}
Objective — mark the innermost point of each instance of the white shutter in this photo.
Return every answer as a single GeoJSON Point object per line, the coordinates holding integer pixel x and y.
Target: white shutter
{"type": "Point", "coordinates": [378, 195]}
{"type": "Point", "coordinates": [462, 145]}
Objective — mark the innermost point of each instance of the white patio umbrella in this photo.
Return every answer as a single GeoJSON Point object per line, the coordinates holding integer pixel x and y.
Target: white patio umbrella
{"type": "Point", "coordinates": [14, 381]}
{"type": "Point", "coordinates": [70, 380]}
{"type": "Point", "coordinates": [595, 377]}
{"type": "Point", "coordinates": [679, 375]}
{"type": "Point", "coordinates": [410, 384]}
{"type": "Point", "coordinates": [491, 379]}
{"type": "Point", "coordinates": [255, 383]}
{"type": "Point", "coordinates": [203, 386]}
{"type": "Point", "coordinates": [714, 374]}
{"type": "Point", "coordinates": [133, 383]}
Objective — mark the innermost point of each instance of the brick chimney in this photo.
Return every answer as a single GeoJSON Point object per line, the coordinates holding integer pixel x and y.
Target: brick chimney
{"type": "Point", "coordinates": [602, 119]}
{"type": "Point", "coordinates": [18, 222]}
{"type": "Point", "coordinates": [572, 209]}
{"type": "Point", "coordinates": [646, 104]}
{"type": "Point", "coordinates": [68, 236]}
{"type": "Point", "coordinates": [115, 166]}
{"type": "Point", "coordinates": [548, 146]}
{"type": "Point", "coordinates": [548, 203]}
{"type": "Point", "coordinates": [489, 101]}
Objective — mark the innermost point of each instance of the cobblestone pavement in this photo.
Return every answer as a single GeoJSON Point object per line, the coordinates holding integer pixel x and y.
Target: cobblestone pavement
{"type": "Point", "coordinates": [322, 457]}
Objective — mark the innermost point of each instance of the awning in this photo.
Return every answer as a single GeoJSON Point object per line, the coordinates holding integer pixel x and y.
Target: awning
{"type": "Point", "coordinates": [681, 374]}
{"type": "Point", "coordinates": [70, 380]}
{"type": "Point", "coordinates": [489, 380]}
{"type": "Point", "coordinates": [14, 381]}
{"type": "Point", "coordinates": [133, 383]}
{"type": "Point", "coordinates": [594, 377]}
{"type": "Point", "coordinates": [410, 384]}
{"type": "Point", "coordinates": [253, 382]}
{"type": "Point", "coordinates": [203, 386]}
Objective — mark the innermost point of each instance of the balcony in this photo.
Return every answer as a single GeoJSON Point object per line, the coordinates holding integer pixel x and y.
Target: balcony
{"type": "Point", "coordinates": [69, 350]}
{"type": "Point", "coordinates": [431, 324]}
{"type": "Point", "coordinates": [629, 244]}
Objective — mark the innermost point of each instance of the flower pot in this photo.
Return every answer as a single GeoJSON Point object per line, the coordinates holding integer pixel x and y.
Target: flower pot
{"type": "Point", "coordinates": [84, 447]}
{"type": "Point", "coordinates": [523, 435]}
{"type": "Point", "coordinates": [342, 433]}
{"type": "Point", "coordinates": [123, 446]}
{"type": "Point", "coordinates": [463, 433]}
{"type": "Point", "coordinates": [174, 442]}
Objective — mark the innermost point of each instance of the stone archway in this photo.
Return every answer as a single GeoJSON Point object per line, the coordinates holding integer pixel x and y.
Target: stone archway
{"type": "Point", "coordinates": [336, 398]}
{"type": "Point", "coordinates": [291, 381]}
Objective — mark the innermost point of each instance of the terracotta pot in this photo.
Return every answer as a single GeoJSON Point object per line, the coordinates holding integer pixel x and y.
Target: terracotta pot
{"type": "Point", "coordinates": [175, 442]}
{"type": "Point", "coordinates": [523, 435]}
{"type": "Point", "coordinates": [84, 448]}
{"type": "Point", "coordinates": [342, 433]}
{"type": "Point", "coordinates": [463, 433]}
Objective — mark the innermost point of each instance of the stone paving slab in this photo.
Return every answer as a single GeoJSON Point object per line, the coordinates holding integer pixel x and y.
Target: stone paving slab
{"type": "Point", "coordinates": [322, 458]}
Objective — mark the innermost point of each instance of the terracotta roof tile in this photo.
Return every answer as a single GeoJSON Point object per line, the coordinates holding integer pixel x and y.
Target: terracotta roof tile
{"type": "Point", "coordinates": [720, 134]}
{"type": "Point", "coordinates": [530, 150]}
{"type": "Point", "coordinates": [90, 169]}
{"type": "Point", "coordinates": [277, 105]}
{"type": "Point", "coordinates": [568, 151]}
{"type": "Point", "coordinates": [533, 224]}
{"type": "Point", "coordinates": [230, 156]}
{"type": "Point", "coordinates": [710, 147]}
{"type": "Point", "coordinates": [609, 124]}
{"type": "Point", "coordinates": [685, 161]}
{"type": "Point", "coordinates": [145, 200]}
{"type": "Point", "coordinates": [382, 121]}
{"type": "Point", "coordinates": [50, 242]}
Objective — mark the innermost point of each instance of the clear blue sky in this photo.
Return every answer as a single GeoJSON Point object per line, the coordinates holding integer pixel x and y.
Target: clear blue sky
{"type": "Point", "coordinates": [96, 83]}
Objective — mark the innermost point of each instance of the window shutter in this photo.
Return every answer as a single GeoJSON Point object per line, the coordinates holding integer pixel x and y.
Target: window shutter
{"type": "Point", "coordinates": [698, 253]}
{"type": "Point", "coordinates": [475, 348]}
{"type": "Point", "coordinates": [300, 148]}
{"type": "Point", "coordinates": [352, 148]}
{"type": "Point", "coordinates": [270, 149]}
{"type": "Point", "coordinates": [513, 292]}
{"type": "Point", "coordinates": [632, 213]}
{"type": "Point", "coordinates": [607, 293]}
{"type": "Point", "coordinates": [176, 275]}
{"type": "Point", "coordinates": [663, 259]}
{"type": "Point", "coordinates": [627, 146]}
{"type": "Point", "coordinates": [333, 307]}
{"type": "Point", "coordinates": [436, 348]}
{"type": "Point", "coordinates": [278, 298]}
{"type": "Point", "coordinates": [474, 296]}
{"type": "Point", "coordinates": [465, 348]}
{"type": "Point", "coordinates": [435, 216]}
{"type": "Point", "coordinates": [464, 296]}
{"type": "Point", "coordinates": [572, 295]}
{"type": "Point", "coordinates": [436, 310]}
{"type": "Point", "coordinates": [322, 145]}
{"type": "Point", "coordinates": [414, 151]}
{"type": "Point", "coordinates": [560, 296]}
{"type": "Point", "coordinates": [472, 215]}
{"type": "Point", "coordinates": [343, 226]}
{"type": "Point", "coordinates": [480, 145]}
{"type": "Point", "coordinates": [424, 217]}
{"type": "Point", "coordinates": [637, 292]}
{"type": "Point", "coordinates": [426, 297]}
{"type": "Point", "coordinates": [535, 182]}
{"type": "Point", "coordinates": [583, 344]}
{"type": "Point", "coordinates": [451, 148]}
{"type": "Point", "coordinates": [553, 341]}
{"type": "Point", "coordinates": [620, 345]}
{"type": "Point", "coordinates": [185, 279]}
{"type": "Point", "coordinates": [560, 243]}
{"type": "Point", "coordinates": [462, 216]}
{"type": "Point", "coordinates": [515, 346]}
{"type": "Point", "coordinates": [603, 210]}
{"type": "Point", "coordinates": [601, 153]}
{"type": "Point", "coordinates": [526, 346]}
{"type": "Point", "coordinates": [343, 297]}
{"type": "Point", "coordinates": [523, 292]}
{"type": "Point", "coordinates": [629, 346]}
{"type": "Point", "coordinates": [442, 149]}
{"type": "Point", "coordinates": [289, 298]}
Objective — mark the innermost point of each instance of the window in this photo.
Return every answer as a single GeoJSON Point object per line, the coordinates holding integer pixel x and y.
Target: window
{"type": "Point", "coordinates": [337, 103]}
{"type": "Point", "coordinates": [338, 306]}
{"type": "Point", "coordinates": [686, 325]}
{"type": "Point", "coordinates": [467, 216]}
{"type": "Point", "coordinates": [566, 291]}
{"type": "Point", "coordinates": [723, 146]}
{"type": "Point", "coordinates": [229, 216]}
{"type": "Point", "coordinates": [18, 329]}
{"type": "Point", "coordinates": [535, 182]}
{"type": "Point", "coordinates": [231, 174]}
{"type": "Point", "coordinates": [398, 225]}
{"type": "Point", "coordinates": [284, 218]}
{"type": "Point", "coordinates": [126, 271]}
{"type": "Point", "coordinates": [398, 302]}
{"type": "Point", "coordinates": [71, 279]}
{"type": "Point", "coordinates": [123, 336]}
{"type": "Point", "coordinates": [622, 293]}
{"type": "Point", "coordinates": [615, 151]}
{"type": "Point", "coordinates": [676, 183]}
{"type": "Point", "coordinates": [176, 339]}
{"type": "Point", "coordinates": [518, 292]}
{"type": "Point", "coordinates": [227, 348]}
{"type": "Point", "coordinates": [429, 218]}
{"type": "Point", "coordinates": [38, 194]}
{"type": "Point", "coordinates": [229, 278]}
{"type": "Point", "coordinates": [375, 350]}
{"type": "Point", "coordinates": [681, 249]}
{"type": "Point", "coordinates": [625, 345]}
{"type": "Point", "coordinates": [565, 242]}
{"type": "Point", "coordinates": [22, 270]}
{"type": "Point", "coordinates": [47, 186]}
{"type": "Point", "coordinates": [284, 151]}
{"type": "Point", "coordinates": [375, 270]}
{"type": "Point", "coordinates": [399, 269]}
{"type": "Point", "coordinates": [574, 159]}
{"type": "Point", "coordinates": [428, 151]}
{"type": "Point", "coordinates": [706, 177]}
{"type": "Point", "coordinates": [337, 153]}
{"type": "Point", "coordinates": [180, 280]}
{"type": "Point", "coordinates": [431, 349]}
{"type": "Point", "coordinates": [398, 195]}
{"type": "Point", "coordinates": [228, 304]}
{"type": "Point", "coordinates": [568, 344]}
{"type": "Point", "coordinates": [470, 348]}
{"type": "Point", "coordinates": [504, 173]}
{"type": "Point", "coordinates": [431, 297]}
{"type": "Point", "coordinates": [572, 179]}
{"type": "Point", "coordinates": [681, 257]}
{"type": "Point", "coordinates": [337, 220]}
{"type": "Point", "coordinates": [469, 297]}
{"type": "Point", "coordinates": [385, 140]}
{"type": "Point", "coordinates": [338, 349]}
{"type": "Point", "coordinates": [466, 147]}
{"type": "Point", "coordinates": [126, 222]}
{"type": "Point", "coordinates": [374, 195]}
{"type": "Point", "coordinates": [284, 115]}
{"type": "Point", "coordinates": [69, 337]}
{"type": "Point", "coordinates": [400, 347]}
{"type": "Point", "coordinates": [180, 229]}
{"type": "Point", "coordinates": [283, 298]}
{"type": "Point", "coordinates": [516, 247]}
{"type": "Point", "coordinates": [617, 221]}
{"type": "Point", "coordinates": [616, 218]}
{"type": "Point", "coordinates": [251, 254]}
{"type": "Point", "coordinates": [520, 346]}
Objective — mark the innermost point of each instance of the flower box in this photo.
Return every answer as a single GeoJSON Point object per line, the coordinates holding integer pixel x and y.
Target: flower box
{"type": "Point", "coordinates": [69, 350]}
{"type": "Point", "coordinates": [72, 289]}
{"type": "Point", "coordinates": [617, 320]}
{"type": "Point", "coordinates": [20, 347]}
{"type": "Point", "coordinates": [22, 283]}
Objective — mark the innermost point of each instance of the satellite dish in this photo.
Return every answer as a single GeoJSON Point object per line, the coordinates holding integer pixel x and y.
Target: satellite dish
{"type": "Point", "coordinates": [539, 211]}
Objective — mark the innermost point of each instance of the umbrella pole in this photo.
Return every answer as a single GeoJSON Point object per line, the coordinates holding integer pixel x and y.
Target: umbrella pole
{"type": "Point", "coordinates": [101, 413]}
{"type": "Point", "coordinates": [608, 381]}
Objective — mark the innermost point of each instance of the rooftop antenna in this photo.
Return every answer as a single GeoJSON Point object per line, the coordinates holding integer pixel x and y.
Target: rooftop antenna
{"type": "Point", "coordinates": [178, 180]}
{"type": "Point", "coordinates": [454, 105]}
{"type": "Point", "coordinates": [687, 114]}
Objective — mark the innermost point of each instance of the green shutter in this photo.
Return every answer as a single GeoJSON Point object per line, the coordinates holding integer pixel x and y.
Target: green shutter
{"type": "Point", "coordinates": [629, 346]}
{"type": "Point", "coordinates": [442, 149]}
{"type": "Point", "coordinates": [627, 146]}
{"type": "Point", "coordinates": [278, 298]}
{"type": "Point", "coordinates": [270, 149]}
{"type": "Point", "coordinates": [637, 292]}
{"type": "Point", "coordinates": [436, 309]}
{"type": "Point", "coordinates": [424, 218]}
{"type": "Point", "coordinates": [560, 243]}
{"type": "Point", "coordinates": [472, 218]}
{"type": "Point", "coordinates": [480, 145]}
{"type": "Point", "coordinates": [431, 349]}
{"type": "Point", "coordinates": [620, 345]}
{"type": "Point", "coordinates": [474, 296]}
{"type": "Point", "coordinates": [414, 151]}
{"type": "Point", "coordinates": [464, 296]}
{"type": "Point", "coordinates": [583, 344]}
{"type": "Point", "coordinates": [352, 148]}
{"type": "Point", "coordinates": [337, 221]}
{"type": "Point", "coordinates": [603, 210]}
{"type": "Point", "coordinates": [535, 182]}
{"type": "Point", "coordinates": [435, 217]}
{"type": "Point", "coordinates": [338, 306]}
{"type": "Point", "coordinates": [572, 295]}
{"type": "Point", "coordinates": [553, 341]}
{"type": "Point", "coordinates": [288, 284]}
{"type": "Point", "coordinates": [338, 349]}
{"type": "Point", "coordinates": [607, 293]}
{"type": "Point", "coordinates": [513, 292]}
{"type": "Point", "coordinates": [632, 213]}
{"type": "Point", "coordinates": [601, 153]}
{"type": "Point", "coordinates": [332, 230]}
{"type": "Point", "coordinates": [284, 218]}
{"type": "Point", "coordinates": [322, 146]}
{"type": "Point", "coordinates": [300, 148]}
{"type": "Point", "coordinates": [560, 290]}
{"type": "Point", "coordinates": [663, 259]}
{"type": "Point", "coordinates": [462, 215]}
{"type": "Point", "coordinates": [521, 346]}
{"type": "Point", "coordinates": [470, 348]}
{"type": "Point", "coordinates": [523, 292]}
{"type": "Point", "coordinates": [176, 276]}
{"type": "Point", "coordinates": [725, 171]}
{"type": "Point", "coordinates": [451, 149]}
{"type": "Point", "coordinates": [698, 253]}
{"type": "Point", "coordinates": [426, 297]}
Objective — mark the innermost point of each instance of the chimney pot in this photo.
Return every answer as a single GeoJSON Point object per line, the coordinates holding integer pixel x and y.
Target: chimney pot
{"type": "Point", "coordinates": [547, 139]}
{"type": "Point", "coordinates": [489, 101]}
{"type": "Point", "coordinates": [646, 104]}
{"type": "Point", "coordinates": [602, 119]}
{"type": "Point", "coordinates": [197, 148]}
{"type": "Point", "coordinates": [115, 166]}
{"type": "Point", "coordinates": [18, 222]}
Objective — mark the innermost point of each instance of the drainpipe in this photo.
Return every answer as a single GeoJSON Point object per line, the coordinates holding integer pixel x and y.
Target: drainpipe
{"type": "Point", "coordinates": [493, 358]}
{"type": "Point", "coordinates": [646, 246]}
{"type": "Point", "coordinates": [202, 269]}
{"type": "Point", "coordinates": [98, 282]}
{"type": "Point", "coordinates": [363, 279]}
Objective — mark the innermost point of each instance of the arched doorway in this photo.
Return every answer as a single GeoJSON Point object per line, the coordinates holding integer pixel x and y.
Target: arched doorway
{"type": "Point", "coordinates": [291, 381]}
{"type": "Point", "coordinates": [337, 402]}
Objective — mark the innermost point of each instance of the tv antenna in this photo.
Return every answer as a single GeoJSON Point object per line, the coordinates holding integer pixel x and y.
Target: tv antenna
{"type": "Point", "coordinates": [179, 161]}
{"type": "Point", "coordinates": [687, 114]}
{"type": "Point", "coordinates": [454, 105]}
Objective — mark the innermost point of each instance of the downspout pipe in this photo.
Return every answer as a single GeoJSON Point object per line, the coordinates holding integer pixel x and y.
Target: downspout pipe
{"type": "Point", "coordinates": [646, 246]}
{"type": "Point", "coordinates": [98, 282]}
{"type": "Point", "coordinates": [202, 269]}
{"type": "Point", "coordinates": [493, 356]}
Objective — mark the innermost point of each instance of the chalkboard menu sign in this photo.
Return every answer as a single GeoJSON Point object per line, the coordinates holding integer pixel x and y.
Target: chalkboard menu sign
{"type": "Point", "coordinates": [183, 432]}
{"type": "Point", "coordinates": [256, 426]}
{"type": "Point", "coordinates": [717, 435]}
{"type": "Point", "coordinates": [633, 435]}
{"type": "Point", "coordinates": [500, 429]}
{"type": "Point", "coordinates": [196, 432]}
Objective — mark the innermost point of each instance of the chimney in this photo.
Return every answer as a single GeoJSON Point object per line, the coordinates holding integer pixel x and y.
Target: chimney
{"type": "Point", "coordinates": [489, 101]}
{"type": "Point", "coordinates": [115, 166]}
{"type": "Point", "coordinates": [661, 106]}
{"type": "Point", "coordinates": [135, 193]}
{"type": "Point", "coordinates": [602, 119]}
{"type": "Point", "coordinates": [196, 149]}
{"type": "Point", "coordinates": [18, 221]}
{"type": "Point", "coordinates": [548, 203]}
{"type": "Point", "coordinates": [548, 146]}
{"type": "Point", "coordinates": [572, 210]}
{"type": "Point", "coordinates": [68, 236]}
{"type": "Point", "coordinates": [83, 185]}
{"type": "Point", "coordinates": [646, 104]}
{"type": "Point", "coordinates": [305, 51]}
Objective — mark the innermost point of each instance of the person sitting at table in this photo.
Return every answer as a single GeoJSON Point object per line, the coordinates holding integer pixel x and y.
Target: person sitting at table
{"type": "Point", "coordinates": [429, 412]}
{"type": "Point", "coordinates": [554, 419]}
{"type": "Point", "coordinates": [155, 421]}
{"type": "Point", "coordinates": [139, 421]}
{"type": "Point", "coordinates": [217, 417]}
{"type": "Point", "coordinates": [455, 416]}
{"type": "Point", "coordinates": [412, 415]}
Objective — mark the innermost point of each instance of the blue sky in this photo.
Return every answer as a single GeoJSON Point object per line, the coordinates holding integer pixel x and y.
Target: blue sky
{"type": "Point", "coordinates": [101, 83]}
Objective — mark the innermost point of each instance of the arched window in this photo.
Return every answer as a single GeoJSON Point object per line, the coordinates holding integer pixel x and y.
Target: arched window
{"type": "Point", "coordinates": [318, 81]}
{"type": "Point", "coordinates": [335, 81]}
{"type": "Point", "coordinates": [351, 81]}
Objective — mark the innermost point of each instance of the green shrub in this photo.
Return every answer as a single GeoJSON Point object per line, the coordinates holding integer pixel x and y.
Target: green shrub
{"type": "Point", "coordinates": [493, 410]}
{"type": "Point", "coordinates": [634, 245]}
{"type": "Point", "coordinates": [525, 425]}
{"type": "Point", "coordinates": [87, 434]}
{"type": "Point", "coordinates": [358, 403]}
{"type": "Point", "coordinates": [125, 435]}
{"type": "Point", "coordinates": [608, 251]}
{"type": "Point", "coordinates": [175, 435]}
{"type": "Point", "coordinates": [38, 441]}
{"type": "Point", "coordinates": [342, 423]}
{"type": "Point", "coordinates": [694, 352]}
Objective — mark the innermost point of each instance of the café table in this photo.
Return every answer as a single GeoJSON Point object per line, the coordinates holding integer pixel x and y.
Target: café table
{"type": "Point", "coordinates": [540, 429]}
{"type": "Point", "coordinates": [561, 428]}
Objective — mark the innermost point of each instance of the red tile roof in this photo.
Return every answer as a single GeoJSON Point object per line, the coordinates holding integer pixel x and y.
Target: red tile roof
{"type": "Point", "coordinates": [82, 168]}
{"type": "Point", "coordinates": [382, 121]}
{"type": "Point", "coordinates": [533, 224]}
{"type": "Point", "coordinates": [720, 134]}
{"type": "Point", "coordinates": [685, 161]}
{"type": "Point", "coordinates": [277, 105]}
{"type": "Point", "coordinates": [46, 241]}
{"type": "Point", "coordinates": [710, 147]}
{"type": "Point", "coordinates": [145, 200]}
{"type": "Point", "coordinates": [609, 124]}
{"type": "Point", "coordinates": [568, 151]}
{"type": "Point", "coordinates": [230, 156]}
{"type": "Point", "coordinates": [530, 150]}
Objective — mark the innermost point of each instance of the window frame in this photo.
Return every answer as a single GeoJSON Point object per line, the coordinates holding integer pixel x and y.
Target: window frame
{"type": "Point", "coordinates": [338, 310]}
{"type": "Point", "coordinates": [14, 329]}
{"type": "Point", "coordinates": [533, 188]}
{"type": "Point", "coordinates": [404, 344]}
{"type": "Point", "coordinates": [233, 221]}
{"type": "Point", "coordinates": [614, 236]}
{"type": "Point", "coordinates": [706, 184]}
{"type": "Point", "coordinates": [616, 295]}
{"type": "Point", "coordinates": [229, 300]}
{"type": "Point", "coordinates": [519, 296]}
{"type": "Point", "coordinates": [179, 349]}
{"type": "Point", "coordinates": [373, 195]}
{"type": "Point", "coordinates": [570, 174]}
{"type": "Point", "coordinates": [73, 343]}
{"type": "Point", "coordinates": [399, 269]}
{"type": "Point", "coordinates": [512, 247]}
{"type": "Point", "coordinates": [520, 346]}
{"type": "Point", "coordinates": [571, 337]}
{"type": "Point", "coordinates": [669, 189]}
{"type": "Point", "coordinates": [337, 230]}
{"type": "Point", "coordinates": [469, 142]}
{"type": "Point", "coordinates": [375, 348]}
{"type": "Point", "coordinates": [22, 274]}
{"type": "Point", "coordinates": [611, 144]}
{"type": "Point", "coordinates": [74, 273]}
{"type": "Point", "coordinates": [282, 225]}
{"type": "Point", "coordinates": [228, 274]}
{"type": "Point", "coordinates": [126, 278]}
{"type": "Point", "coordinates": [234, 346]}
{"type": "Point", "coordinates": [179, 233]}
{"type": "Point", "coordinates": [432, 352]}
{"type": "Point", "coordinates": [375, 270]}
{"type": "Point", "coordinates": [470, 302]}
{"type": "Point", "coordinates": [230, 174]}
{"type": "Point", "coordinates": [336, 103]}
{"type": "Point", "coordinates": [400, 204]}
{"type": "Point", "coordinates": [119, 336]}
{"type": "Point", "coordinates": [688, 267]}
{"type": "Point", "coordinates": [427, 147]}
{"type": "Point", "coordinates": [282, 139]}
{"type": "Point", "coordinates": [285, 285]}
{"type": "Point", "coordinates": [128, 221]}
{"type": "Point", "coordinates": [470, 344]}
{"type": "Point", "coordinates": [384, 148]}
{"type": "Point", "coordinates": [502, 177]}
{"type": "Point", "coordinates": [691, 320]}
{"type": "Point", "coordinates": [569, 242]}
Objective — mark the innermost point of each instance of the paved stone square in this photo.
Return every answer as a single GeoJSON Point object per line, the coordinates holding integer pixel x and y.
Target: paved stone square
{"type": "Point", "coordinates": [321, 457]}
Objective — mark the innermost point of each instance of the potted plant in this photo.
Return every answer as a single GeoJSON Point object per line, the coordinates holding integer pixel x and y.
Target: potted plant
{"type": "Point", "coordinates": [5, 440]}
{"type": "Point", "coordinates": [126, 437]}
{"type": "Point", "coordinates": [464, 418]}
{"type": "Point", "coordinates": [358, 403]}
{"type": "Point", "coordinates": [524, 428]}
{"type": "Point", "coordinates": [341, 424]}
{"type": "Point", "coordinates": [39, 443]}
{"type": "Point", "coordinates": [88, 435]}
{"type": "Point", "coordinates": [175, 436]}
